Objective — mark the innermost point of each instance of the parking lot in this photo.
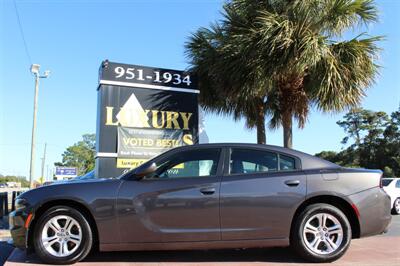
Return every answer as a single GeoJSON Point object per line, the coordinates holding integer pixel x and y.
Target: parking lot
{"type": "Point", "coordinates": [379, 250]}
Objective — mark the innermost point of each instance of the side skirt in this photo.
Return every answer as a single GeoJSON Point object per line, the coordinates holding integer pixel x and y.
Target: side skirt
{"type": "Point", "coordinates": [280, 242]}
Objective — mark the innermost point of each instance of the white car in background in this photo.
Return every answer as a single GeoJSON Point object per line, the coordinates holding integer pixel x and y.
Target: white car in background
{"type": "Point", "coordinates": [392, 188]}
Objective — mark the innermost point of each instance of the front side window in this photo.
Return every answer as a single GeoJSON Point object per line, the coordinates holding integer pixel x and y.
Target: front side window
{"type": "Point", "coordinates": [193, 163]}
{"type": "Point", "coordinates": [244, 161]}
{"type": "Point", "coordinates": [398, 184]}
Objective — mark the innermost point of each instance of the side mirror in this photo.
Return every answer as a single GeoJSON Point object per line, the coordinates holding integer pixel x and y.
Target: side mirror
{"type": "Point", "coordinates": [144, 170]}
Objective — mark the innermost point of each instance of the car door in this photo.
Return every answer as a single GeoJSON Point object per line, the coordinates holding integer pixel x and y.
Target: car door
{"type": "Point", "coordinates": [260, 192]}
{"type": "Point", "coordinates": [178, 202]}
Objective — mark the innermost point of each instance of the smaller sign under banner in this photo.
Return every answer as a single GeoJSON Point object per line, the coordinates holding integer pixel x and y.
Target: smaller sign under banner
{"type": "Point", "coordinates": [137, 145]}
{"type": "Point", "coordinates": [66, 172]}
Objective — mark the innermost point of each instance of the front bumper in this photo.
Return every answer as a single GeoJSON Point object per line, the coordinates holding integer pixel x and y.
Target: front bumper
{"type": "Point", "coordinates": [374, 209]}
{"type": "Point", "coordinates": [19, 233]}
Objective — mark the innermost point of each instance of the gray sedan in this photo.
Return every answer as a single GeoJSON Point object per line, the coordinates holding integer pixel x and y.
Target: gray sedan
{"type": "Point", "coordinates": [206, 197]}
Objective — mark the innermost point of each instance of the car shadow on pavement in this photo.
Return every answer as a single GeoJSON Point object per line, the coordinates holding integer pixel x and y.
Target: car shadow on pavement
{"type": "Point", "coordinates": [237, 255]}
{"type": "Point", "coordinates": [269, 255]}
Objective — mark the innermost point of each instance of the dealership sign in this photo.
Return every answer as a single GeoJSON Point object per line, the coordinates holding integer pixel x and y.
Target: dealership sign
{"type": "Point", "coordinates": [66, 172]}
{"type": "Point", "coordinates": [142, 112]}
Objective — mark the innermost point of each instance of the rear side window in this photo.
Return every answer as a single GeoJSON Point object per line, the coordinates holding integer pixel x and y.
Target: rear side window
{"type": "Point", "coordinates": [245, 161]}
{"type": "Point", "coordinates": [286, 162]}
{"type": "Point", "coordinates": [398, 184]}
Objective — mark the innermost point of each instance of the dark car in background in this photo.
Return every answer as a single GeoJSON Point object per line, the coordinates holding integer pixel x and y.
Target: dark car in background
{"type": "Point", "coordinates": [88, 175]}
{"type": "Point", "coordinates": [207, 197]}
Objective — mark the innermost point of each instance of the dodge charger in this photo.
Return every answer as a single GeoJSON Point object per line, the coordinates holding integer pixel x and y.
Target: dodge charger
{"type": "Point", "coordinates": [207, 196]}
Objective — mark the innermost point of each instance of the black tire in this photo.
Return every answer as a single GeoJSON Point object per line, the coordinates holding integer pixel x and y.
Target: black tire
{"type": "Point", "coordinates": [83, 248]}
{"type": "Point", "coordinates": [394, 211]}
{"type": "Point", "coordinates": [298, 243]}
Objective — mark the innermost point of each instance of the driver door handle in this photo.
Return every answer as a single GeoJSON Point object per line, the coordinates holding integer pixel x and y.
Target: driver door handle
{"type": "Point", "coordinates": [207, 191]}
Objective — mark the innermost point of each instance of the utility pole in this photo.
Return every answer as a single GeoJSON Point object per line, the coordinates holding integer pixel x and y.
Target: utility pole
{"type": "Point", "coordinates": [35, 71]}
{"type": "Point", "coordinates": [32, 163]}
{"type": "Point", "coordinates": [43, 161]}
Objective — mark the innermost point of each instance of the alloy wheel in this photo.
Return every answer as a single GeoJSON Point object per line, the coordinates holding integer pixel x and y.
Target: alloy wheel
{"type": "Point", "coordinates": [61, 236]}
{"type": "Point", "coordinates": [323, 233]}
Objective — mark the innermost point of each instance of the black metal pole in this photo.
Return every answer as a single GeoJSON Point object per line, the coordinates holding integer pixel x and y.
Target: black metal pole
{"type": "Point", "coordinates": [14, 195]}
{"type": "Point", "coordinates": [2, 209]}
{"type": "Point", "coordinates": [6, 203]}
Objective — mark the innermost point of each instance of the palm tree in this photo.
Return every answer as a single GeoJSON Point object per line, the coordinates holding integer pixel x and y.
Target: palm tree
{"type": "Point", "coordinates": [221, 69]}
{"type": "Point", "coordinates": [290, 55]}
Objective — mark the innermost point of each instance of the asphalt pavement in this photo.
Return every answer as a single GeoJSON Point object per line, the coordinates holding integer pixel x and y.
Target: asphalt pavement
{"type": "Point", "coordinates": [381, 250]}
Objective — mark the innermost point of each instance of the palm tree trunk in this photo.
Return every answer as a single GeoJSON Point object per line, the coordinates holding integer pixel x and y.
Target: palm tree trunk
{"type": "Point", "coordinates": [287, 130]}
{"type": "Point", "coordinates": [261, 137]}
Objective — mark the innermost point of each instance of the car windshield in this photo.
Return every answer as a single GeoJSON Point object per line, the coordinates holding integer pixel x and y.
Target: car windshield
{"type": "Point", "coordinates": [386, 182]}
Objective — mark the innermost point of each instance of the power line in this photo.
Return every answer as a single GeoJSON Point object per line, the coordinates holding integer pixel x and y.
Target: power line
{"type": "Point", "coordinates": [22, 33]}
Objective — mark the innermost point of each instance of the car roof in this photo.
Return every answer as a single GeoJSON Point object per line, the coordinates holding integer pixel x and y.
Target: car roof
{"type": "Point", "coordinates": [307, 161]}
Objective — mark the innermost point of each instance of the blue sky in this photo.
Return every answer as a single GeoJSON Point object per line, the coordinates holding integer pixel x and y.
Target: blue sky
{"type": "Point", "coordinates": [71, 38]}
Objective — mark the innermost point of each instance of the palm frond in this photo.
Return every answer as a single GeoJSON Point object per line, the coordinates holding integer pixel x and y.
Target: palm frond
{"type": "Point", "coordinates": [340, 15]}
{"type": "Point", "coordinates": [340, 79]}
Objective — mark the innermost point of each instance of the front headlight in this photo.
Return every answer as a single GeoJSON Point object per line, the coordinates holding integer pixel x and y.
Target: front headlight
{"type": "Point", "coordinates": [20, 203]}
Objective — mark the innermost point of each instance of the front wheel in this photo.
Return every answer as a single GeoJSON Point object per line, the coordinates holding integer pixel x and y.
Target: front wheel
{"type": "Point", "coordinates": [396, 206]}
{"type": "Point", "coordinates": [62, 236]}
{"type": "Point", "coordinates": [322, 233]}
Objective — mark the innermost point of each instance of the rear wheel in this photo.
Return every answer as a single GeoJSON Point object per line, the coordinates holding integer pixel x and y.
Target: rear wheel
{"type": "Point", "coordinates": [322, 233]}
{"type": "Point", "coordinates": [396, 206]}
{"type": "Point", "coordinates": [62, 236]}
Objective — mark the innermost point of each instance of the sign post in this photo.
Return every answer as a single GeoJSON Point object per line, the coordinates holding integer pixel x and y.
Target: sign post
{"type": "Point", "coordinates": [142, 112]}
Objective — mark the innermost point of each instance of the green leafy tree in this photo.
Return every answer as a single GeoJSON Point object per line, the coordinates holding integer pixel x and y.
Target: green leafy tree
{"type": "Point", "coordinates": [364, 128]}
{"type": "Point", "coordinates": [80, 155]}
{"type": "Point", "coordinates": [331, 156]}
{"type": "Point", "coordinates": [280, 57]}
{"type": "Point", "coordinates": [344, 158]}
{"type": "Point", "coordinates": [387, 171]}
{"type": "Point", "coordinates": [391, 137]}
{"type": "Point", "coordinates": [353, 125]}
{"type": "Point", "coordinates": [374, 141]}
{"type": "Point", "coordinates": [12, 178]}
